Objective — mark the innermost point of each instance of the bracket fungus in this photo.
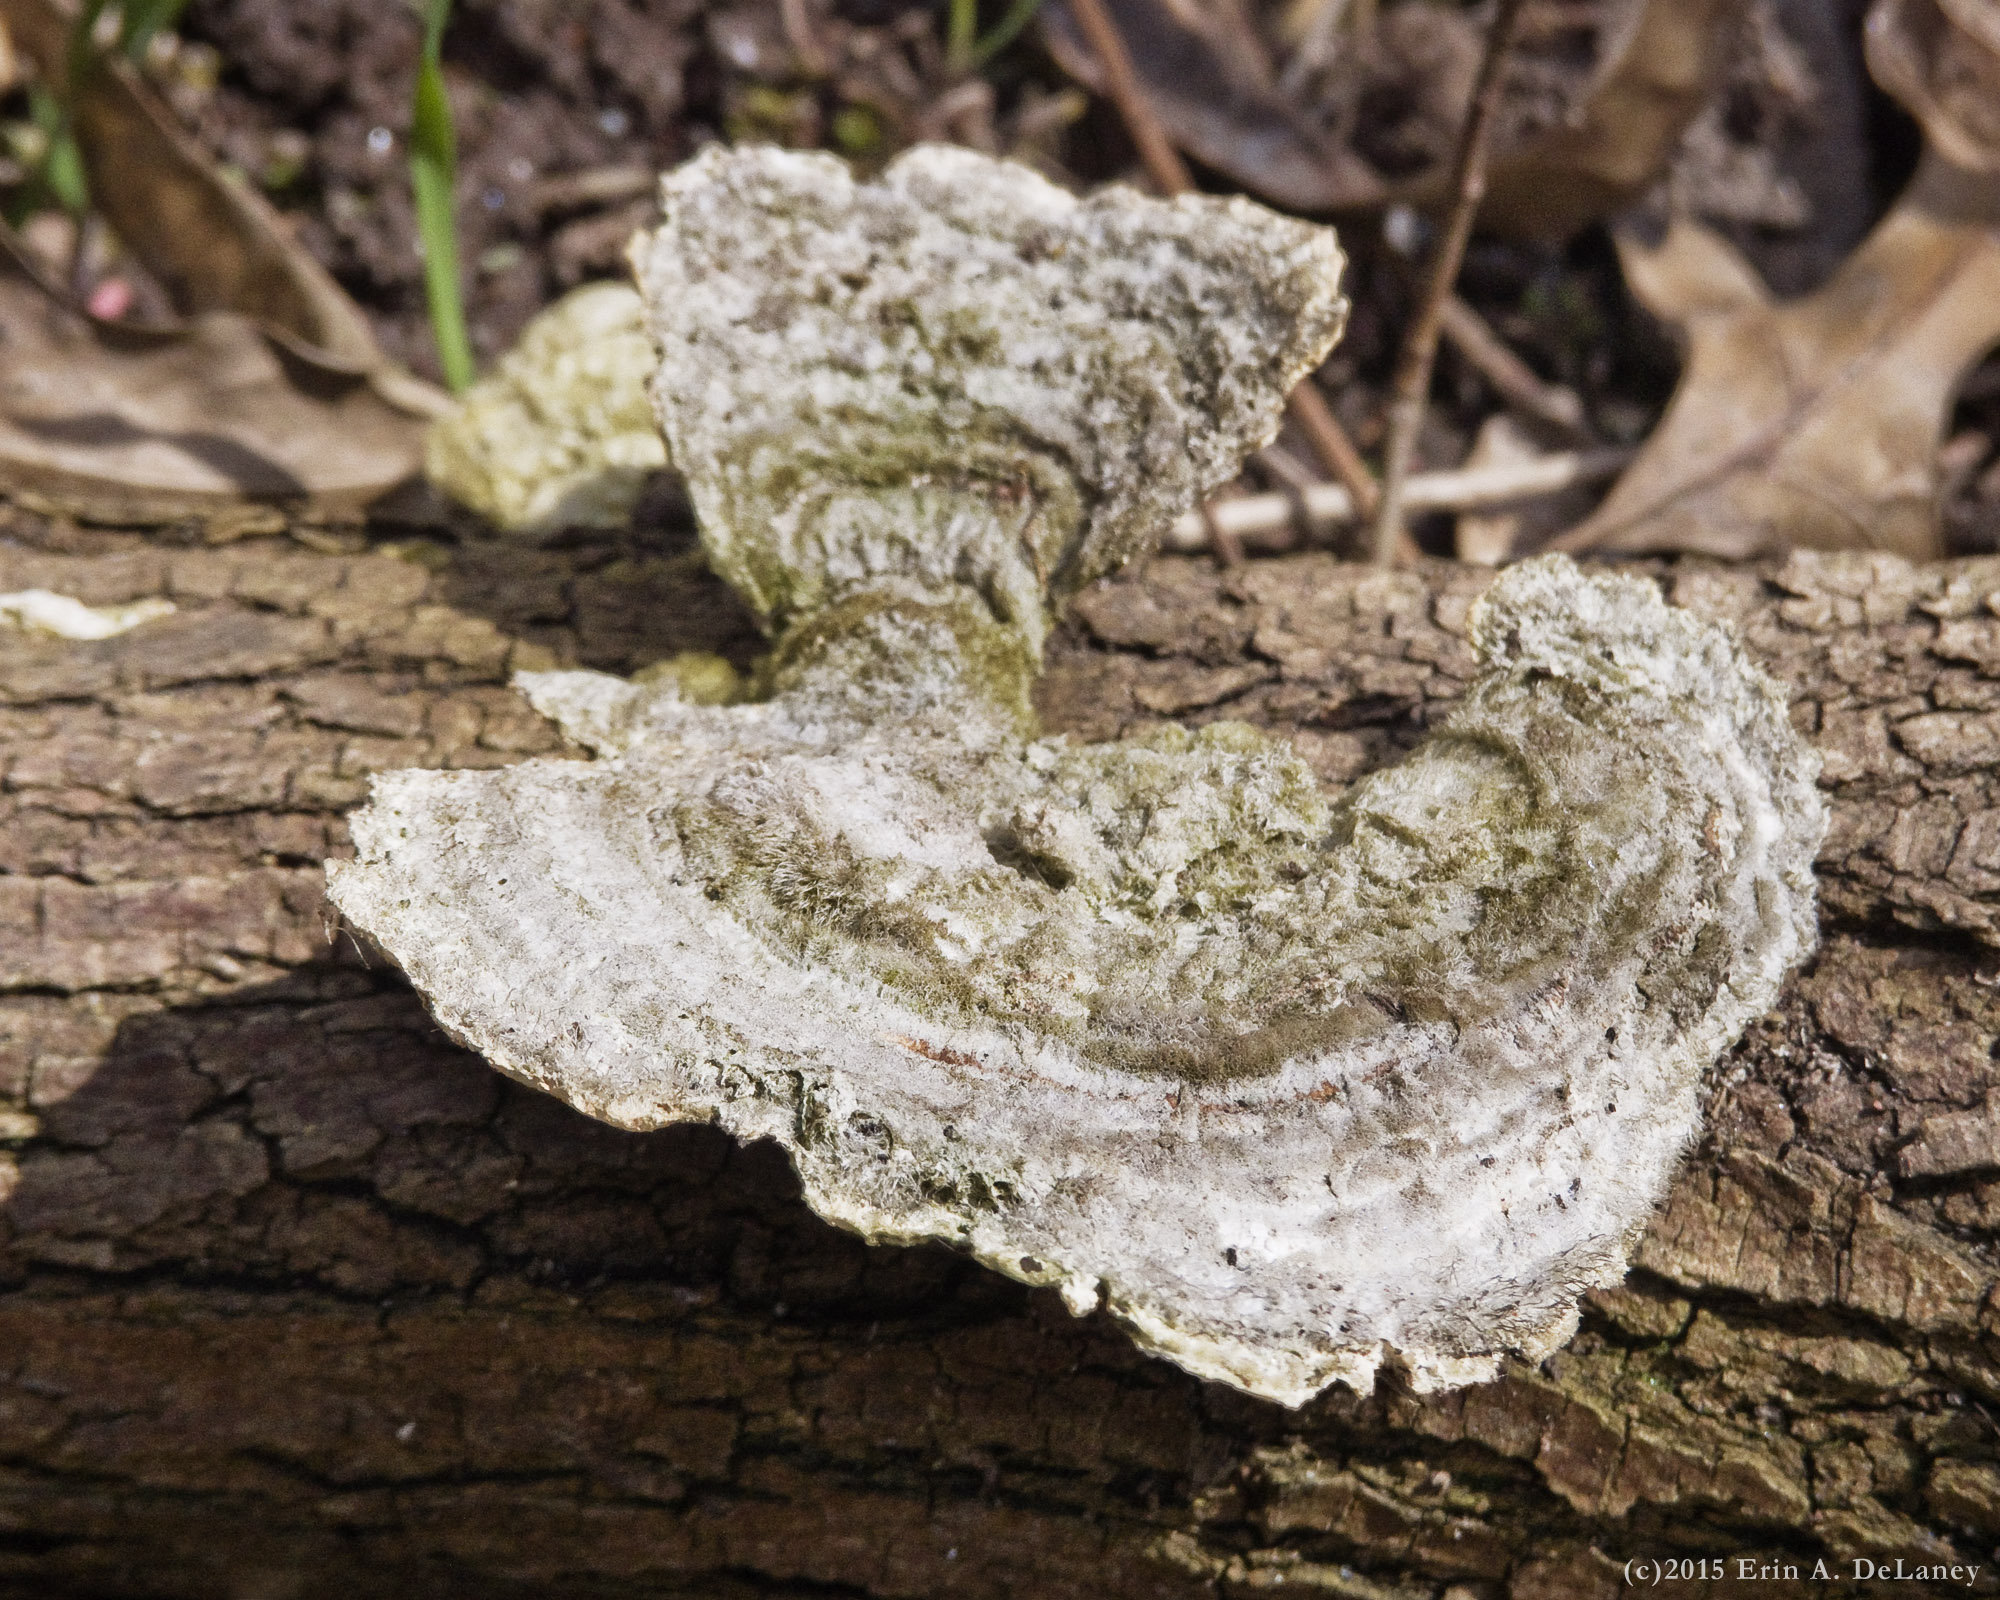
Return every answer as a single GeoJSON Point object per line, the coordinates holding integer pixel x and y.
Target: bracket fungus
{"type": "Point", "coordinates": [1290, 1086]}
{"type": "Point", "coordinates": [559, 434]}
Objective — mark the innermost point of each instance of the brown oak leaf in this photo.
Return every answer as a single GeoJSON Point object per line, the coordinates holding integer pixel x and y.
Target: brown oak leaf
{"type": "Point", "coordinates": [1816, 423]}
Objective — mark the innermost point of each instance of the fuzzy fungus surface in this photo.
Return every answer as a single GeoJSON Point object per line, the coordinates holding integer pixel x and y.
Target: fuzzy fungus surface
{"type": "Point", "coordinates": [1289, 1086]}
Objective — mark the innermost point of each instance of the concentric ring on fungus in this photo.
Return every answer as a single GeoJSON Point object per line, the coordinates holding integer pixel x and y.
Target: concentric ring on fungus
{"type": "Point", "coordinates": [1289, 1086]}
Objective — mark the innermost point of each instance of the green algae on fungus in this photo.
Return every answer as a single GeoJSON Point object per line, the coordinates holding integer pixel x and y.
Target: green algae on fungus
{"type": "Point", "coordinates": [1290, 1087]}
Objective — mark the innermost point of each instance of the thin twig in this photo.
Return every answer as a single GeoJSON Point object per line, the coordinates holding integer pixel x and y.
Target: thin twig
{"type": "Point", "coordinates": [1330, 442]}
{"type": "Point", "coordinates": [1267, 523]}
{"type": "Point", "coordinates": [1294, 479]}
{"type": "Point", "coordinates": [1287, 468]}
{"type": "Point", "coordinates": [1516, 382]}
{"type": "Point", "coordinates": [1121, 85]}
{"type": "Point", "coordinates": [1223, 541]}
{"type": "Point", "coordinates": [1413, 369]}
{"type": "Point", "coordinates": [799, 35]}
{"type": "Point", "coordinates": [1169, 173]}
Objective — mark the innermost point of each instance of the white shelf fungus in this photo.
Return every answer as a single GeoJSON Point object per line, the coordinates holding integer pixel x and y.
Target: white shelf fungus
{"type": "Point", "coordinates": [559, 433]}
{"type": "Point", "coordinates": [1290, 1087]}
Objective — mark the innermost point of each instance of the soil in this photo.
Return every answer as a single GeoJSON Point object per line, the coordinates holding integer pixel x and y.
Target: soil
{"type": "Point", "coordinates": [564, 113]}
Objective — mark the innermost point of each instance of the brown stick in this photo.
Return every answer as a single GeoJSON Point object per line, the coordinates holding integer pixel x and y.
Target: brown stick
{"type": "Point", "coordinates": [1517, 383]}
{"type": "Point", "coordinates": [1223, 542]}
{"type": "Point", "coordinates": [1170, 176]}
{"type": "Point", "coordinates": [800, 36]}
{"type": "Point", "coordinates": [1331, 444]}
{"type": "Point", "coordinates": [1413, 369]}
{"type": "Point", "coordinates": [1121, 84]}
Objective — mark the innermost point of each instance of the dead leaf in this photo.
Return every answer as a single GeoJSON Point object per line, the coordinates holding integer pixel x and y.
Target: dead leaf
{"type": "Point", "coordinates": [1815, 423]}
{"type": "Point", "coordinates": [1210, 79]}
{"type": "Point", "coordinates": [139, 426]}
{"type": "Point", "coordinates": [1941, 58]}
{"type": "Point", "coordinates": [212, 242]}
{"type": "Point", "coordinates": [1579, 148]}
{"type": "Point", "coordinates": [267, 385]}
{"type": "Point", "coordinates": [1659, 62]}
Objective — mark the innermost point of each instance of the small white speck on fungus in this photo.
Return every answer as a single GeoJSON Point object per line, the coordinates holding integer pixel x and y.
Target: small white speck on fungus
{"type": "Point", "coordinates": [1288, 1086]}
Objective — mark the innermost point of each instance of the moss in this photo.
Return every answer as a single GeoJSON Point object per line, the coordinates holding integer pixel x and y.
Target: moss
{"type": "Point", "coordinates": [1231, 919]}
{"type": "Point", "coordinates": [906, 649]}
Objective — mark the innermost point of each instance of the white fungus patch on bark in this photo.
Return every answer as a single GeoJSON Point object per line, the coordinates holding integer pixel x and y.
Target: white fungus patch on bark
{"type": "Point", "coordinates": [1288, 1086]}
{"type": "Point", "coordinates": [65, 617]}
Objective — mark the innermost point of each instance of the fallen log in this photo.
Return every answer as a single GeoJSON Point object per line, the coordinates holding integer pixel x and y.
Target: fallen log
{"type": "Point", "coordinates": [299, 1300]}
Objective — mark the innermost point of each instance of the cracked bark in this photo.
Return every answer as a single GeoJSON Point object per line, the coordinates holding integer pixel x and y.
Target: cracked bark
{"type": "Point", "coordinates": [297, 1300]}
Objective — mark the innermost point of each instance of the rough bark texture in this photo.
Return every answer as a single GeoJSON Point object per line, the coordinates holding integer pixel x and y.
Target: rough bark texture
{"type": "Point", "coordinates": [297, 1300]}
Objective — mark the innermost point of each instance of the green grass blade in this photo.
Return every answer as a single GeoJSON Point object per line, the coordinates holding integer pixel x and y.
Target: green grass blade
{"type": "Point", "coordinates": [82, 49]}
{"type": "Point", "coordinates": [142, 20]}
{"type": "Point", "coordinates": [433, 175]}
{"type": "Point", "coordinates": [62, 162]}
{"type": "Point", "coordinates": [1005, 31]}
{"type": "Point", "coordinates": [961, 22]}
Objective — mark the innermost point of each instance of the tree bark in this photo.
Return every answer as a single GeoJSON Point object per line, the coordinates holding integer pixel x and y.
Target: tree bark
{"type": "Point", "coordinates": [297, 1300]}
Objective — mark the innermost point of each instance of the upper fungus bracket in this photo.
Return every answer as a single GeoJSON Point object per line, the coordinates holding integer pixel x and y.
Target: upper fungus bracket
{"type": "Point", "coordinates": [960, 374]}
{"type": "Point", "coordinates": [1290, 1087]}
